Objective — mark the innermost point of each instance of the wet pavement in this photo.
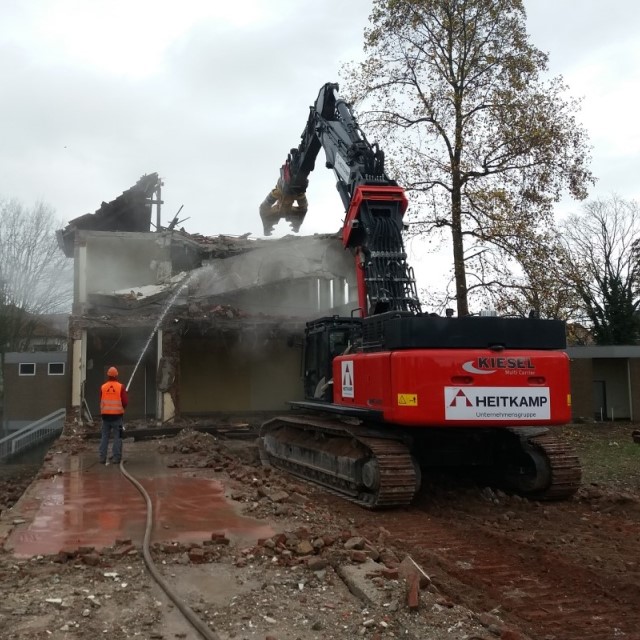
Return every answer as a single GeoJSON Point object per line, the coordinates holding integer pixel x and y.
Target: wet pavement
{"type": "Point", "coordinates": [86, 504]}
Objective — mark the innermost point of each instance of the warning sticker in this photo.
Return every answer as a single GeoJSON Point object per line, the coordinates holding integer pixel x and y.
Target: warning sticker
{"type": "Point", "coordinates": [497, 403]}
{"type": "Point", "coordinates": [347, 378]}
{"type": "Point", "coordinates": [407, 400]}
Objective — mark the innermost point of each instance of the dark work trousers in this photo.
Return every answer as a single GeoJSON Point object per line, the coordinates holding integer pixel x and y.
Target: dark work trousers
{"type": "Point", "coordinates": [111, 425]}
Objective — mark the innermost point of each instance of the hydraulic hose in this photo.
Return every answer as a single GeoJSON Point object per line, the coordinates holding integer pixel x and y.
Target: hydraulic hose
{"type": "Point", "coordinates": [198, 624]}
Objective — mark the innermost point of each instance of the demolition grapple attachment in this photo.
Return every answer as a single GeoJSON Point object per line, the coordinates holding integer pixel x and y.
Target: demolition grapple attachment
{"type": "Point", "coordinates": [283, 203]}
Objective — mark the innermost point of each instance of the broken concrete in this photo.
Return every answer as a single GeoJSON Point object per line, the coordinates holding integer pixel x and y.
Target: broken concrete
{"type": "Point", "coordinates": [357, 577]}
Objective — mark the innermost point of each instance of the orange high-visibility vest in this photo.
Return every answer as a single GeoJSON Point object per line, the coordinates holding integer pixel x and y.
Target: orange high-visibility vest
{"type": "Point", "coordinates": [110, 398]}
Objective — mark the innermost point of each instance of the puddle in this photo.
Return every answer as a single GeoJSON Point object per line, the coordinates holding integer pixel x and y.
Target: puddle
{"type": "Point", "coordinates": [97, 505]}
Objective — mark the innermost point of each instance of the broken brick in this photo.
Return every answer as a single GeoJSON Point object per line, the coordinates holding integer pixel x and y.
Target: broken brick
{"type": "Point", "coordinates": [197, 556]}
{"type": "Point", "coordinates": [413, 592]}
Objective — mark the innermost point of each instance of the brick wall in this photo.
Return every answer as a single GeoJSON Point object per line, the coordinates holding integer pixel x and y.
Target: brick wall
{"type": "Point", "coordinates": [582, 388]}
{"type": "Point", "coordinates": [634, 375]}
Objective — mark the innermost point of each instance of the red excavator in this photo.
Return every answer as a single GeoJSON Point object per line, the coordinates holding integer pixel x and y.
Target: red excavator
{"type": "Point", "coordinates": [390, 390]}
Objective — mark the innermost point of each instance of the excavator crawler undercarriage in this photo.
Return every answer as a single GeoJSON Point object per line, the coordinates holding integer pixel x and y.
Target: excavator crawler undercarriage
{"type": "Point", "coordinates": [361, 464]}
{"type": "Point", "coordinates": [378, 468]}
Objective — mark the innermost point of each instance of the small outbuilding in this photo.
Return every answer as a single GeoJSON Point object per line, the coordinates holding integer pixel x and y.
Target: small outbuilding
{"type": "Point", "coordinates": [605, 382]}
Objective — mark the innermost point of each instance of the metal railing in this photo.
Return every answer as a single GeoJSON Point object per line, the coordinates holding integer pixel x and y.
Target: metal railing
{"type": "Point", "coordinates": [32, 434]}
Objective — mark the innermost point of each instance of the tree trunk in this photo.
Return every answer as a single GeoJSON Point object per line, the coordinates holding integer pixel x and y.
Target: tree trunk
{"type": "Point", "coordinates": [458, 251]}
{"type": "Point", "coordinates": [459, 270]}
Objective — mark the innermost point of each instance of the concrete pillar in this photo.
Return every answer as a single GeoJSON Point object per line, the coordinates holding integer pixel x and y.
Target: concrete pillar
{"type": "Point", "coordinates": [314, 300]}
{"type": "Point", "coordinates": [165, 406]}
{"type": "Point", "coordinates": [324, 293]}
{"type": "Point", "coordinates": [159, 394]}
{"type": "Point", "coordinates": [168, 407]}
{"type": "Point", "coordinates": [78, 371]}
{"type": "Point", "coordinates": [81, 275]}
{"type": "Point", "coordinates": [634, 388]}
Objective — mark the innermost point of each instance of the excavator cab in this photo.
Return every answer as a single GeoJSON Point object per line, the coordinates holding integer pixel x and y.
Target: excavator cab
{"type": "Point", "coordinates": [325, 339]}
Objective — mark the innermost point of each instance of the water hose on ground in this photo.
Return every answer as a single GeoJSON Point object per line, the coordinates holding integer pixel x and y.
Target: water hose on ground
{"type": "Point", "coordinates": [198, 624]}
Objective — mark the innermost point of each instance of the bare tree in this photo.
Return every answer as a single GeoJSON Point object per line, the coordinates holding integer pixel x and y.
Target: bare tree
{"type": "Point", "coordinates": [526, 279]}
{"type": "Point", "coordinates": [485, 145]}
{"type": "Point", "coordinates": [601, 265]}
{"type": "Point", "coordinates": [35, 276]}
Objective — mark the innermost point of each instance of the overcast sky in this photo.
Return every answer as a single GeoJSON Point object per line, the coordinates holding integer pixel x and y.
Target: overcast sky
{"type": "Point", "coordinates": [212, 95]}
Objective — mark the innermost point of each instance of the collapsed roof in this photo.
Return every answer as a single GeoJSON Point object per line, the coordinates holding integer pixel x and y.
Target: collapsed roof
{"type": "Point", "coordinates": [207, 278]}
{"type": "Point", "coordinates": [130, 211]}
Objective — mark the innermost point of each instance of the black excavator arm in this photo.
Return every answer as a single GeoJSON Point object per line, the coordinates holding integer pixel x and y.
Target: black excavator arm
{"type": "Point", "coordinates": [374, 204]}
{"type": "Point", "coordinates": [332, 126]}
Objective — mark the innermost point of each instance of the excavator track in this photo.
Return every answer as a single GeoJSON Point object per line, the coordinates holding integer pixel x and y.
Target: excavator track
{"type": "Point", "coordinates": [539, 465]}
{"type": "Point", "coordinates": [362, 465]}
{"type": "Point", "coordinates": [564, 464]}
{"type": "Point", "coordinates": [375, 468]}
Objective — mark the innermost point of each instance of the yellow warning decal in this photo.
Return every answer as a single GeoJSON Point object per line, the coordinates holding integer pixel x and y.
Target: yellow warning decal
{"type": "Point", "coordinates": [407, 399]}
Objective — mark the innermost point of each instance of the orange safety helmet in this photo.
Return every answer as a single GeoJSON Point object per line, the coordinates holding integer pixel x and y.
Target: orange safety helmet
{"type": "Point", "coordinates": [112, 372]}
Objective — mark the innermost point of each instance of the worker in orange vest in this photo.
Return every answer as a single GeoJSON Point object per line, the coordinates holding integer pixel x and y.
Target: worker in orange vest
{"type": "Point", "coordinates": [113, 402]}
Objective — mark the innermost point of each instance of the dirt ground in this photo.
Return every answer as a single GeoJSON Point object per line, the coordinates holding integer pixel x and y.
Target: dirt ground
{"type": "Point", "coordinates": [463, 563]}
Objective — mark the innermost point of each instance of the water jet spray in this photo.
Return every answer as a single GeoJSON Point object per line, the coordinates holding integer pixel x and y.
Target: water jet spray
{"type": "Point", "coordinates": [163, 313]}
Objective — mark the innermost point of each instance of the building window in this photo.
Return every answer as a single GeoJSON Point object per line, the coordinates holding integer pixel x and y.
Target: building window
{"type": "Point", "coordinates": [45, 347]}
{"type": "Point", "coordinates": [27, 369]}
{"type": "Point", "coordinates": [56, 368]}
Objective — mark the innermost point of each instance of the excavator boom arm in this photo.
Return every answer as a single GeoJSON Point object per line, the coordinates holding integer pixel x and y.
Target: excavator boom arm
{"type": "Point", "coordinates": [374, 204]}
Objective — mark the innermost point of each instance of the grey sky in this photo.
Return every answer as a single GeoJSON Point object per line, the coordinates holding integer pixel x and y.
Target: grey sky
{"type": "Point", "coordinates": [212, 95]}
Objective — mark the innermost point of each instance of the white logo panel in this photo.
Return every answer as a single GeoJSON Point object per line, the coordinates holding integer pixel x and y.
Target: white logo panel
{"type": "Point", "coordinates": [342, 168]}
{"type": "Point", "coordinates": [497, 403]}
{"type": "Point", "coordinates": [347, 378]}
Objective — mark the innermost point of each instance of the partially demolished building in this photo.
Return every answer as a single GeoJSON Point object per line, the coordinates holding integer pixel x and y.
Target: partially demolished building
{"type": "Point", "coordinates": [195, 325]}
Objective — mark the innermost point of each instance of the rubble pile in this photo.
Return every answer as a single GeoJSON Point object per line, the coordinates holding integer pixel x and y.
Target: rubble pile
{"type": "Point", "coordinates": [204, 310]}
{"type": "Point", "coordinates": [194, 449]}
{"type": "Point", "coordinates": [314, 578]}
{"type": "Point", "coordinates": [14, 479]}
{"type": "Point", "coordinates": [189, 441]}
